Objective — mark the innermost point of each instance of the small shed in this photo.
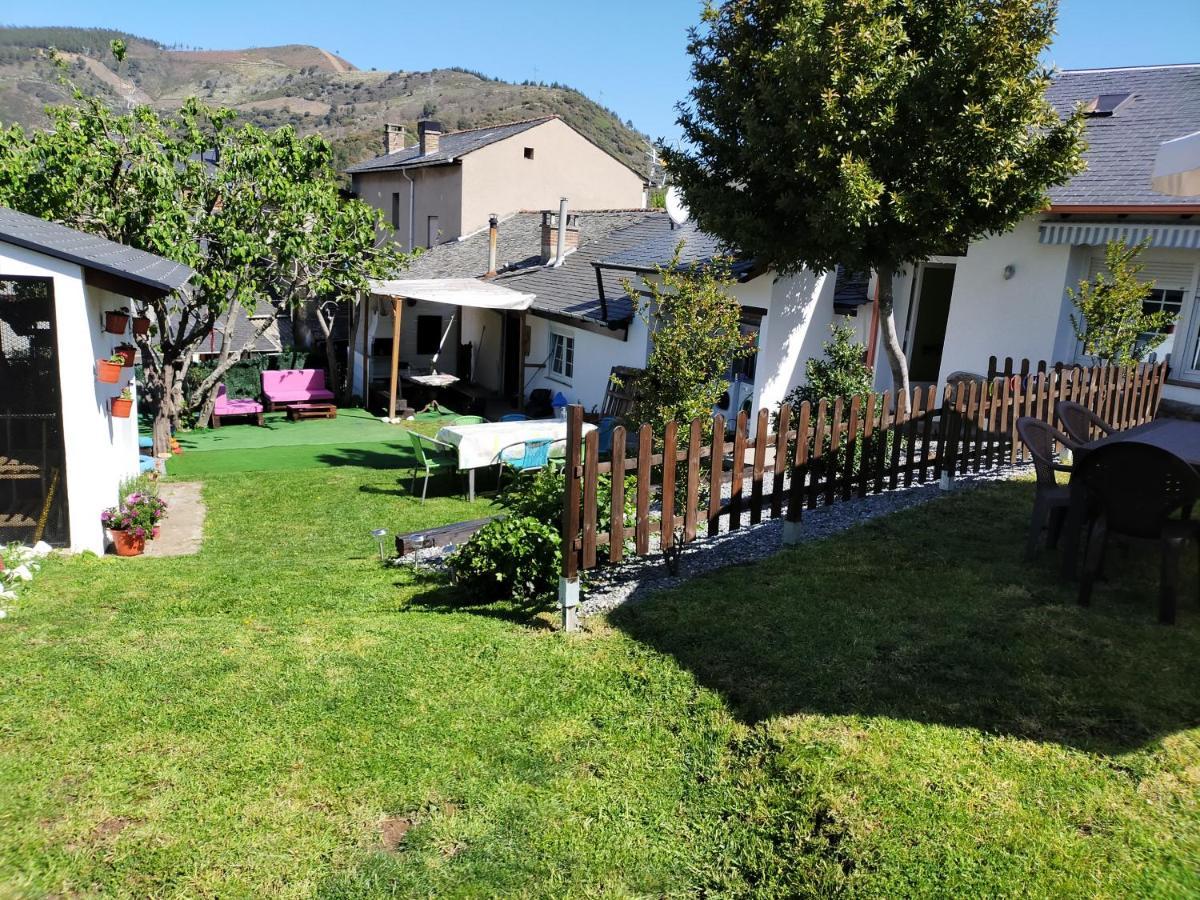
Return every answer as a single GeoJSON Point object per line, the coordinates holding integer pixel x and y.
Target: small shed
{"type": "Point", "coordinates": [64, 447]}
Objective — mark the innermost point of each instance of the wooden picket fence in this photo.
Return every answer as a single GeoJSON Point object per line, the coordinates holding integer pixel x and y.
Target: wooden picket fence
{"type": "Point", "coordinates": [824, 453]}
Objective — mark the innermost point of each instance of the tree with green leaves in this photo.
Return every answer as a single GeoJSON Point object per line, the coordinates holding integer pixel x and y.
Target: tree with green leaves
{"type": "Point", "coordinates": [695, 336]}
{"type": "Point", "coordinates": [871, 133]}
{"type": "Point", "coordinates": [1110, 319]}
{"type": "Point", "coordinates": [257, 214]}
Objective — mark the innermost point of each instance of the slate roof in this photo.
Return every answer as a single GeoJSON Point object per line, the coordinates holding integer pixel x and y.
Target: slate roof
{"type": "Point", "coordinates": [699, 248]}
{"type": "Point", "coordinates": [1122, 147]}
{"type": "Point", "coordinates": [569, 290]}
{"type": "Point", "coordinates": [850, 290]}
{"type": "Point", "coordinates": [452, 145]}
{"type": "Point", "coordinates": [91, 251]}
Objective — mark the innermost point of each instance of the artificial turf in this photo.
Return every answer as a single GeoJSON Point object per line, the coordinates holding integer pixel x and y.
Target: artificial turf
{"type": "Point", "coordinates": [907, 709]}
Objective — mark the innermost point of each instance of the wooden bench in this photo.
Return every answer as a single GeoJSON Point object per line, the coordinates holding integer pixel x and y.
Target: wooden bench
{"type": "Point", "coordinates": [439, 537]}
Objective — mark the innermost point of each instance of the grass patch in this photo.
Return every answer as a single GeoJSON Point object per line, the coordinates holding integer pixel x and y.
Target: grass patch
{"type": "Point", "coordinates": [905, 709]}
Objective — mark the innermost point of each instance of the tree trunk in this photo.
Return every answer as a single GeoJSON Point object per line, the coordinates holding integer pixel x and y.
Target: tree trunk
{"type": "Point", "coordinates": [326, 324]}
{"type": "Point", "coordinates": [897, 361]}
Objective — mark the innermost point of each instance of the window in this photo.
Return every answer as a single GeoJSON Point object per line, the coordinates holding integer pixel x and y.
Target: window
{"type": "Point", "coordinates": [433, 232]}
{"type": "Point", "coordinates": [529, 153]}
{"type": "Point", "coordinates": [429, 334]}
{"type": "Point", "coordinates": [396, 209]}
{"type": "Point", "coordinates": [1105, 105]}
{"type": "Point", "coordinates": [1162, 300]}
{"type": "Point", "coordinates": [562, 356]}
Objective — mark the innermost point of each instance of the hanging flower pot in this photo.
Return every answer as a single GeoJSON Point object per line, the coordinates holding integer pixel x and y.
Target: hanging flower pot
{"type": "Point", "coordinates": [115, 322]}
{"type": "Point", "coordinates": [141, 325]}
{"type": "Point", "coordinates": [128, 354]}
{"type": "Point", "coordinates": [121, 407]}
{"type": "Point", "coordinates": [129, 542]}
{"type": "Point", "coordinates": [108, 371]}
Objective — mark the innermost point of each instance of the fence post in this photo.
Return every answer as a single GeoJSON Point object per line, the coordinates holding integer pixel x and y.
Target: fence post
{"type": "Point", "coordinates": [568, 581]}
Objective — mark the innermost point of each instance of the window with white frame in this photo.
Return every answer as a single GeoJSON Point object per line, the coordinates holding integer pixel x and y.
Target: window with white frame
{"type": "Point", "coordinates": [562, 356]}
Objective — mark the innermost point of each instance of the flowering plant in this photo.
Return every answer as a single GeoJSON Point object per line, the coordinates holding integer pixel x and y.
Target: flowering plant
{"type": "Point", "coordinates": [138, 514]}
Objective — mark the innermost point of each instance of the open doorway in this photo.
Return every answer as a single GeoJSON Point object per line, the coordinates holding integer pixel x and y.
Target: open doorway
{"type": "Point", "coordinates": [927, 322]}
{"type": "Point", "coordinates": [513, 358]}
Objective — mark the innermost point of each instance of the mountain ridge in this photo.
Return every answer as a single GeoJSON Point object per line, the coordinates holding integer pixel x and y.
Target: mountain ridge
{"type": "Point", "coordinates": [311, 88]}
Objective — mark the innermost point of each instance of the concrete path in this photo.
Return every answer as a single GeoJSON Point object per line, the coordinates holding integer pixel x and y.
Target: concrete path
{"type": "Point", "coordinates": [183, 526]}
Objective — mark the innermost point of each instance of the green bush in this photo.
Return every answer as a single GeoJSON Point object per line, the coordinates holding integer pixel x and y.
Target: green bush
{"type": "Point", "coordinates": [540, 497]}
{"type": "Point", "coordinates": [514, 558]}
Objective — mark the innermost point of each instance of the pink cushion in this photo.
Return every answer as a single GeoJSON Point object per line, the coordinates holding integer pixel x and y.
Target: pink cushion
{"type": "Point", "coordinates": [295, 384]}
{"type": "Point", "coordinates": [227, 407]}
{"type": "Point", "coordinates": [289, 396]}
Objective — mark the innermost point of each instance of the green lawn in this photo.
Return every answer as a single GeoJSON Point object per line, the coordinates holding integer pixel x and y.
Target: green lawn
{"type": "Point", "coordinates": [905, 709]}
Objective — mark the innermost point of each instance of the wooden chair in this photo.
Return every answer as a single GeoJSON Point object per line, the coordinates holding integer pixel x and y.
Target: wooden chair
{"type": "Point", "coordinates": [619, 399]}
{"type": "Point", "coordinates": [1083, 425]}
{"type": "Point", "coordinates": [1135, 490]}
{"type": "Point", "coordinates": [432, 456]}
{"type": "Point", "coordinates": [1052, 499]}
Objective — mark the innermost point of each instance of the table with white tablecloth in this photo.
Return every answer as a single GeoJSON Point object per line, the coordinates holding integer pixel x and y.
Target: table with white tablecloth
{"type": "Point", "coordinates": [479, 445]}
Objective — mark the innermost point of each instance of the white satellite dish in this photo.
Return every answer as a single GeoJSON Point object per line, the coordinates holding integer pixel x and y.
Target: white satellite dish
{"type": "Point", "coordinates": [676, 208]}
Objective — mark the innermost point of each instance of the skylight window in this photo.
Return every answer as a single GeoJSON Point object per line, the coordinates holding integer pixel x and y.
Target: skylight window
{"type": "Point", "coordinates": [1105, 105]}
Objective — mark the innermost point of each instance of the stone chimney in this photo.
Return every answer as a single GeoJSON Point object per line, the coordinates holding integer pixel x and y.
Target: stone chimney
{"type": "Point", "coordinates": [550, 221]}
{"type": "Point", "coordinates": [393, 138]}
{"type": "Point", "coordinates": [429, 134]}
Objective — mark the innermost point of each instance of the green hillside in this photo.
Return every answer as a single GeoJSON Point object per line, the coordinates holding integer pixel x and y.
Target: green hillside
{"type": "Point", "coordinates": [308, 87]}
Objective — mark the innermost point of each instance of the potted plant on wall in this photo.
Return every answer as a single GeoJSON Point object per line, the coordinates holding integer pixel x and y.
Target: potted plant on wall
{"type": "Point", "coordinates": [108, 371]}
{"type": "Point", "coordinates": [141, 325]}
{"type": "Point", "coordinates": [128, 354]}
{"type": "Point", "coordinates": [116, 320]}
{"type": "Point", "coordinates": [122, 406]}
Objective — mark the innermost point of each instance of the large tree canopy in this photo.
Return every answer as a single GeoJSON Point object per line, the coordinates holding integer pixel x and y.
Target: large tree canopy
{"type": "Point", "coordinates": [870, 133]}
{"type": "Point", "coordinates": [257, 214]}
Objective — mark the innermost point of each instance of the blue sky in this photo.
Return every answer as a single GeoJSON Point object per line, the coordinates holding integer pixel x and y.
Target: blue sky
{"type": "Point", "coordinates": [628, 55]}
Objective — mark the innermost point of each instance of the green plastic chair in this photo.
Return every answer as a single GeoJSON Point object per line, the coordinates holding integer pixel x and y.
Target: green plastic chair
{"type": "Point", "coordinates": [433, 456]}
{"type": "Point", "coordinates": [469, 420]}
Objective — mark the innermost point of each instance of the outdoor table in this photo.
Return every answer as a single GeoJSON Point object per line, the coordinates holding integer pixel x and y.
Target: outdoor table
{"type": "Point", "coordinates": [479, 445]}
{"type": "Point", "coordinates": [1174, 435]}
{"type": "Point", "coordinates": [432, 382]}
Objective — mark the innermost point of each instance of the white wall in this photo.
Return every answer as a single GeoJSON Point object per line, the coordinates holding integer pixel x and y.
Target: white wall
{"type": "Point", "coordinates": [100, 451]}
{"type": "Point", "coordinates": [595, 356]}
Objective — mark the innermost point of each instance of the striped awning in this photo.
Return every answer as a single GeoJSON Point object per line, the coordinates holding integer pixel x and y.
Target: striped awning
{"type": "Point", "coordinates": [1169, 237]}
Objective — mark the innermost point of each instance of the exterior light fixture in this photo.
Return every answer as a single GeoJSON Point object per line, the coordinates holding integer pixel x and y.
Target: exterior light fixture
{"type": "Point", "coordinates": [380, 535]}
{"type": "Point", "coordinates": [1009, 271]}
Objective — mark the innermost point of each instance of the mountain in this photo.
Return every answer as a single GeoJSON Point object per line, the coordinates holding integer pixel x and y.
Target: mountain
{"type": "Point", "coordinates": [313, 89]}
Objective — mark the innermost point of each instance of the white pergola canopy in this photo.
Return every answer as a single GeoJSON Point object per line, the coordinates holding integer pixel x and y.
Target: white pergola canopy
{"type": "Point", "coordinates": [460, 292]}
{"type": "Point", "coordinates": [1177, 167]}
{"type": "Point", "coordinates": [454, 292]}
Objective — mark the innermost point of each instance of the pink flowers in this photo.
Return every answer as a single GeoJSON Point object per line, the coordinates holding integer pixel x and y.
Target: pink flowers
{"type": "Point", "coordinates": [137, 514]}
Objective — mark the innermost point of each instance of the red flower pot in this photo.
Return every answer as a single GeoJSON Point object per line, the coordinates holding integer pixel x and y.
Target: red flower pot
{"type": "Point", "coordinates": [121, 408]}
{"type": "Point", "coordinates": [107, 372]}
{"type": "Point", "coordinates": [127, 544]}
{"type": "Point", "coordinates": [116, 322]}
{"type": "Point", "coordinates": [141, 325]}
{"type": "Point", "coordinates": [128, 354]}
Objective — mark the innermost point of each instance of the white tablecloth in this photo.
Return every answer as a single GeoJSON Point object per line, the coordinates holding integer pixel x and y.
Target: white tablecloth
{"type": "Point", "coordinates": [478, 444]}
{"type": "Point", "coordinates": [436, 379]}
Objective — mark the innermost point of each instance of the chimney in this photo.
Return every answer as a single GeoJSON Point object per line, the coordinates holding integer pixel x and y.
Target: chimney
{"type": "Point", "coordinates": [429, 134]}
{"type": "Point", "coordinates": [555, 241]}
{"type": "Point", "coordinates": [493, 234]}
{"type": "Point", "coordinates": [393, 138]}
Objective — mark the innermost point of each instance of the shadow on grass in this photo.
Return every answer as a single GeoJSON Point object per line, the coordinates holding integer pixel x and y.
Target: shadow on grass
{"type": "Point", "coordinates": [374, 456]}
{"type": "Point", "coordinates": [931, 616]}
{"type": "Point", "coordinates": [448, 598]}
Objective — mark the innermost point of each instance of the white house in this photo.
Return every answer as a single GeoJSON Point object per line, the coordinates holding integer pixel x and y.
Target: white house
{"type": "Point", "coordinates": [582, 322]}
{"type": "Point", "coordinates": [1007, 295]}
{"type": "Point", "coordinates": [63, 454]}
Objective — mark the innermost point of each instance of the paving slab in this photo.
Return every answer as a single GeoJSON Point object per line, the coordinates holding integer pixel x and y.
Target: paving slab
{"type": "Point", "coordinates": [182, 530]}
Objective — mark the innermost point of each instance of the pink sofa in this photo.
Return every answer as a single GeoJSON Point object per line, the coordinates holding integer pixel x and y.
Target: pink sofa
{"type": "Point", "coordinates": [225, 408]}
{"type": "Point", "coordinates": [285, 387]}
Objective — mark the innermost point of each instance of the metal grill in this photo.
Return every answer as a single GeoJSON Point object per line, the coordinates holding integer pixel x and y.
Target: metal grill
{"type": "Point", "coordinates": [32, 469]}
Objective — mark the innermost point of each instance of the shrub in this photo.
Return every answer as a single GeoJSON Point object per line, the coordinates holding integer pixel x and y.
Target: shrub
{"type": "Point", "coordinates": [515, 558]}
{"type": "Point", "coordinates": [540, 497]}
{"type": "Point", "coordinates": [841, 372]}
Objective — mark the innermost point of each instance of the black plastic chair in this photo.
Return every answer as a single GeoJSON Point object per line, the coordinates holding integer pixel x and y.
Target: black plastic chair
{"type": "Point", "coordinates": [1135, 490]}
{"type": "Point", "coordinates": [1083, 425]}
{"type": "Point", "coordinates": [1052, 499]}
